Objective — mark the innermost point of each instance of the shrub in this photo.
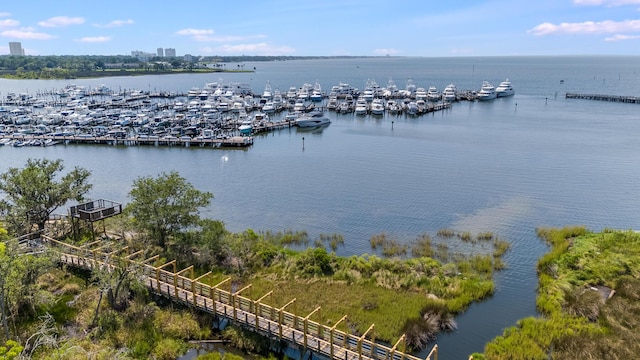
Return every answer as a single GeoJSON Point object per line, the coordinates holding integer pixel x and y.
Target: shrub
{"type": "Point", "coordinates": [169, 349]}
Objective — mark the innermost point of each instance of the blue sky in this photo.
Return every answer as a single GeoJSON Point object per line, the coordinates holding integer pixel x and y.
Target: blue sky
{"type": "Point", "coordinates": [324, 27]}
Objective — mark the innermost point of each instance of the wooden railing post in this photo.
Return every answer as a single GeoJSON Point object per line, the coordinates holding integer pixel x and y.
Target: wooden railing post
{"type": "Point", "coordinates": [234, 296]}
{"type": "Point", "coordinates": [215, 287]}
{"type": "Point", "coordinates": [304, 326]}
{"type": "Point", "coordinates": [434, 352]}
{"type": "Point", "coordinates": [256, 306]}
{"type": "Point", "coordinates": [393, 349]}
{"type": "Point", "coordinates": [362, 338]}
{"type": "Point", "coordinates": [280, 317]}
{"type": "Point", "coordinates": [193, 287]}
{"type": "Point", "coordinates": [331, 334]}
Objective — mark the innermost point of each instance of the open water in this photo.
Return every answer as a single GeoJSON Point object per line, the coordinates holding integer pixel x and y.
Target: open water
{"type": "Point", "coordinates": [508, 166]}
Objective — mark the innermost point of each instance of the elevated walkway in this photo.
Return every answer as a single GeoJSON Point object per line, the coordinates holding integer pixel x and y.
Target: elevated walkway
{"type": "Point", "coordinates": [270, 321]}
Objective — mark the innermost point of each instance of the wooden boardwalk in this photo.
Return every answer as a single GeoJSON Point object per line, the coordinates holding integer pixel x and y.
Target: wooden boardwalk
{"type": "Point", "coordinates": [275, 323]}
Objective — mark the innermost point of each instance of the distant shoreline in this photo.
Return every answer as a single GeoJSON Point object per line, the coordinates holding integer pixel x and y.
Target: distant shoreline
{"type": "Point", "coordinates": [12, 74]}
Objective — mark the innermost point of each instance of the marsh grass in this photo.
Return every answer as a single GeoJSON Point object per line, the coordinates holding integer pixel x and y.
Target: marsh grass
{"type": "Point", "coordinates": [333, 240]}
{"type": "Point", "coordinates": [579, 322]}
{"type": "Point", "coordinates": [446, 233]}
{"type": "Point", "coordinates": [390, 246]}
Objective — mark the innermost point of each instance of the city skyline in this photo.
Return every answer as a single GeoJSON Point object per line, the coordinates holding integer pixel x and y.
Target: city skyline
{"type": "Point", "coordinates": [329, 28]}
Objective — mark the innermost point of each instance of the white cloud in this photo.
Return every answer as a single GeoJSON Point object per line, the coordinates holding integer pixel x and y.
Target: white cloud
{"type": "Point", "coordinates": [207, 35]}
{"type": "Point", "coordinates": [621, 37]}
{"type": "Point", "coordinates": [115, 23]}
{"type": "Point", "coordinates": [608, 3]}
{"type": "Point", "coordinates": [94, 39]}
{"type": "Point", "coordinates": [61, 21]}
{"type": "Point", "coordinates": [26, 34]}
{"type": "Point", "coordinates": [5, 14]}
{"type": "Point", "coordinates": [249, 49]}
{"type": "Point", "coordinates": [195, 32]}
{"type": "Point", "coordinates": [385, 51]}
{"type": "Point", "coordinates": [9, 23]}
{"type": "Point", "coordinates": [587, 27]}
{"type": "Point", "coordinates": [232, 38]}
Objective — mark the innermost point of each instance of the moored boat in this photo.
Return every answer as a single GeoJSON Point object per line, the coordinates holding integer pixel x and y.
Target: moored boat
{"type": "Point", "coordinates": [487, 92]}
{"type": "Point", "coordinates": [505, 89]}
{"type": "Point", "coordinates": [450, 93]}
{"type": "Point", "coordinates": [316, 118]}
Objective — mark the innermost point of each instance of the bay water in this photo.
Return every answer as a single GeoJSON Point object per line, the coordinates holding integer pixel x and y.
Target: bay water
{"type": "Point", "coordinates": [508, 166]}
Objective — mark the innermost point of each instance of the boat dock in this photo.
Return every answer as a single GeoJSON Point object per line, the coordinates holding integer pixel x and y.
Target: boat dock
{"type": "Point", "coordinates": [600, 97]}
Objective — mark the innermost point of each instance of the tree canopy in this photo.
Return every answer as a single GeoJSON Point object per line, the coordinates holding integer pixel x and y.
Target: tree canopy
{"type": "Point", "coordinates": [164, 206]}
{"type": "Point", "coordinates": [34, 192]}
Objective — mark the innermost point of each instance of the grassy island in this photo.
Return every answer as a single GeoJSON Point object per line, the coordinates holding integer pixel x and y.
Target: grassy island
{"type": "Point", "coordinates": [588, 296]}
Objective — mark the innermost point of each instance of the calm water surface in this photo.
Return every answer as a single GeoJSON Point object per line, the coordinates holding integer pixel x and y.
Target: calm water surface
{"type": "Point", "coordinates": [507, 166]}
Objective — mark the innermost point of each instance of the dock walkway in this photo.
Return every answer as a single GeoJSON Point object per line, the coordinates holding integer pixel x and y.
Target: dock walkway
{"type": "Point", "coordinates": [601, 97]}
{"type": "Point", "coordinates": [267, 320]}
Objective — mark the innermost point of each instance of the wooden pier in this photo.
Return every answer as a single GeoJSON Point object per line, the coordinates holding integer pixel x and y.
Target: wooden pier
{"type": "Point", "coordinates": [600, 97]}
{"type": "Point", "coordinates": [277, 323]}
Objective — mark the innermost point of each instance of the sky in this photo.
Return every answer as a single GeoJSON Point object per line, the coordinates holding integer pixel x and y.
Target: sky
{"type": "Point", "coordinates": [323, 27]}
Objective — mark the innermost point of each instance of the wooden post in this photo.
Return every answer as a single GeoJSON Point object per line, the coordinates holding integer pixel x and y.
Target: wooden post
{"type": "Point", "coordinates": [234, 297]}
{"type": "Point", "coordinates": [393, 349]}
{"type": "Point", "coordinates": [179, 274]}
{"type": "Point", "coordinates": [172, 262]}
{"type": "Point", "coordinates": [434, 352]}
{"type": "Point", "coordinates": [361, 339]}
{"type": "Point", "coordinates": [256, 306]}
{"type": "Point", "coordinates": [215, 287]}
{"type": "Point", "coordinates": [193, 288]}
{"type": "Point", "coordinates": [331, 334]}
{"type": "Point", "coordinates": [280, 317]}
{"type": "Point", "coordinates": [304, 326]}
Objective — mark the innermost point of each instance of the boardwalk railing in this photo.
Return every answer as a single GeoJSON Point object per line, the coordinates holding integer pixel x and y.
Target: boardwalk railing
{"type": "Point", "coordinates": [277, 323]}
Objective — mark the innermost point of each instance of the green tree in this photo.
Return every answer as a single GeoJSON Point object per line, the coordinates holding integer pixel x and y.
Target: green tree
{"type": "Point", "coordinates": [165, 206]}
{"type": "Point", "coordinates": [36, 191]}
{"type": "Point", "coordinates": [18, 275]}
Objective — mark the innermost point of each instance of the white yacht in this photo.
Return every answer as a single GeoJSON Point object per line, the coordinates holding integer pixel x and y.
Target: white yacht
{"type": "Point", "coordinates": [421, 94]}
{"type": "Point", "coordinates": [377, 107]}
{"type": "Point", "coordinates": [266, 94]}
{"type": "Point", "coordinates": [361, 106]}
{"type": "Point", "coordinates": [487, 92]}
{"type": "Point", "coordinates": [313, 119]}
{"type": "Point", "coordinates": [433, 94]}
{"type": "Point", "coordinates": [269, 107]}
{"type": "Point", "coordinates": [316, 93]}
{"type": "Point", "coordinates": [505, 89]}
{"type": "Point", "coordinates": [450, 93]}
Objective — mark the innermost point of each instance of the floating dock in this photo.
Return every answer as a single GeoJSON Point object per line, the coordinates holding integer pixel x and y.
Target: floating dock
{"type": "Point", "coordinates": [600, 97]}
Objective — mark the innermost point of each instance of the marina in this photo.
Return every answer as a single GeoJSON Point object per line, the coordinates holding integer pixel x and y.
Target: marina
{"type": "Point", "coordinates": [217, 115]}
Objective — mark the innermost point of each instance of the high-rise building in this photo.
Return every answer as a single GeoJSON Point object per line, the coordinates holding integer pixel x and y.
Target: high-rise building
{"type": "Point", "coordinates": [15, 48]}
{"type": "Point", "coordinates": [160, 52]}
{"type": "Point", "coordinates": [170, 52]}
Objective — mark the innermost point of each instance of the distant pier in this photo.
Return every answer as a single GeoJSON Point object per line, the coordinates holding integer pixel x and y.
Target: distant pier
{"type": "Point", "coordinates": [600, 97]}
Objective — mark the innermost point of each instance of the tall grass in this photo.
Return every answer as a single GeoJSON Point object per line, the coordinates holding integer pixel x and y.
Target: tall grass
{"type": "Point", "coordinates": [579, 322]}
